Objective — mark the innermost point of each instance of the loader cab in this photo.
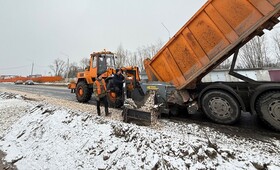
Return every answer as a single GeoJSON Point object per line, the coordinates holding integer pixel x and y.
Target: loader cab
{"type": "Point", "coordinates": [105, 62]}
{"type": "Point", "coordinates": [101, 63]}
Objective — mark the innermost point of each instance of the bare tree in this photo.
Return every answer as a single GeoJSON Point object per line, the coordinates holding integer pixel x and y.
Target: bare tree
{"type": "Point", "coordinates": [276, 42]}
{"type": "Point", "coordinates": [225, 64]}
{"type": "Point", "coordinates": [73, 70]}
{"type": "Point", "coordinates": [255, 54]}
{"type": "Point", "coordinates": [148, 51]}
{"type": "Point", "coordinates": [84, 62]}
{"type": "Point", "coordinates": [128, 58]}
{"type": "Point", "coordinates": [122, 55]}
{"type": "Point", "coordinates": [58, 67]}
{"type": "Point", "coordinates": [132, 59]}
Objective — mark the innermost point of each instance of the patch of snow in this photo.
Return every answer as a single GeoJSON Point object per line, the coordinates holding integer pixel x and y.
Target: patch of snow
{"type": "Point", "coordinates": [11, 109]}
{"type": "Point", "coordinates": [51, 137]}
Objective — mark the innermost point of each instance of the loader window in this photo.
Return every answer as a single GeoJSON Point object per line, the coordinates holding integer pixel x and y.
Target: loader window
{"type": "Point", "coordinates": [101, 64]}
{"type": "Point", "coordinates": [110, 61]}
{"type": "Point", "coordinates": [94, 63]}
{"type": "Point", "coordinates": [105, 61]}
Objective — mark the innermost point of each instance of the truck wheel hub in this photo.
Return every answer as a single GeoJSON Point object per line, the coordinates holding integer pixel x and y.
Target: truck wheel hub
{"type": "Point", "coordinates": [274, 110]}
{"type": "Point", "coordinates": [220, 107]}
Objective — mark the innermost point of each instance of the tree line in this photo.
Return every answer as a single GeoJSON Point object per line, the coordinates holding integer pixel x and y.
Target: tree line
{"type": "Point", "coordinates": [125, 57]}
{"type": "Point", "coordinates": [260, 52]}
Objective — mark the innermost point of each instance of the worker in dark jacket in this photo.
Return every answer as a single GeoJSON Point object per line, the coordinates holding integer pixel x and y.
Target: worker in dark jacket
{"type": "Point", "coordinates": [118, 80]}
{"type": "Point", "coordinates": [100, 92]}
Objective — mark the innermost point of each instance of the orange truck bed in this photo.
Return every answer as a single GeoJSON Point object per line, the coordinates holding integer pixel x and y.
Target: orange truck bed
{"type": "Point", "coordinates": [209, 38]}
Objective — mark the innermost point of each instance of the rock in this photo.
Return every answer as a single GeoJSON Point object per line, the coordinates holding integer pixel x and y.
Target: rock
{"type": "Point", "coordinates": [112, 149]}
{"type": "Point", "coordinates": [211, 153]}
{"type": "Point", "coordinates": [106, 157]}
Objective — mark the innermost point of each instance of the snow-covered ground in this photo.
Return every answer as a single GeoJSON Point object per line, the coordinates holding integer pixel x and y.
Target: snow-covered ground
{"type": "Point", "coordinates": [40, 135]}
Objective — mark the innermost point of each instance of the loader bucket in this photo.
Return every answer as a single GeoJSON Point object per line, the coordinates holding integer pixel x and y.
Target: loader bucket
{"type": "Point", "coordinates": [138, 117]}
{"type": "Point", "coordinates": [145, 115]}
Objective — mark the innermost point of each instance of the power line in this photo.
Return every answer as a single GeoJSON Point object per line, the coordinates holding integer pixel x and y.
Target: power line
{"type": "Point", "coordinates": [166, 29]}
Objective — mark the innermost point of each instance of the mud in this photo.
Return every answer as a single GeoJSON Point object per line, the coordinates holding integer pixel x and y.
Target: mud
{"type": "Point", "coordinates": [249, 126]}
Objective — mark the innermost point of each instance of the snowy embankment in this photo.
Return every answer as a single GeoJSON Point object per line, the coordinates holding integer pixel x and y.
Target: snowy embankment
{"type": "Point", "coordinates": [38, 135]}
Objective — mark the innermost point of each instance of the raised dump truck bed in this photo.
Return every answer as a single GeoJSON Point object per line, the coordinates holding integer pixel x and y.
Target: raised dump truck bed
{"type": "Point", "coordinates": [209, 38]}
{"type": "Point", "coordinates": [218, 30]}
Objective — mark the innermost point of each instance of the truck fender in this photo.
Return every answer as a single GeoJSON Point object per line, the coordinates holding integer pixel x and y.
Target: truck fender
{"type": "Point", "coordinates": [259, 91]}
{"type": "Point", "coordinates": [224, 87]}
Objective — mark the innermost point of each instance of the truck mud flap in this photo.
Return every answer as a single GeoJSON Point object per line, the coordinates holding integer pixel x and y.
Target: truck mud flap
{"type": "Point", "coordinates": [138, 117]}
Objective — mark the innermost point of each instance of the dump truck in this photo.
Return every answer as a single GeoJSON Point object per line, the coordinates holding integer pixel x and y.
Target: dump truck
{"type": "Point", "coordinates": [216, 32]}
{"type": "Point", "coordinates": [104, 63]}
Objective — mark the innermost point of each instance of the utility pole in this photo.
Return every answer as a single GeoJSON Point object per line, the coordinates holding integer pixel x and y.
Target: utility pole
{"type": "Point", "coordinates": [67, 74]}
{"type": "Point", "coordinates": [32, 69]}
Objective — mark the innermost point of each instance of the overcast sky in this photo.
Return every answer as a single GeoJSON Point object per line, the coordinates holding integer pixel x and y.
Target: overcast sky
{"type": "Point", "coordinates": [40, 31]}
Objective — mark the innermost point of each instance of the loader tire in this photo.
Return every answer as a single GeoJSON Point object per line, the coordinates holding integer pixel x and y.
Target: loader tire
{"type": "Point", "coordinates": [221, 107]}
{"type": "Point", "coordinates": [268, 109]}
{"type": "Point", "coordinates": [114, 101]}
{"type": "Point", "coordinates": [83, 92]}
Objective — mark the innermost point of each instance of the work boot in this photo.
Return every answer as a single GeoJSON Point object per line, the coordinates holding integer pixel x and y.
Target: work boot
{"type": "Point", "coordinates": [107, 111]}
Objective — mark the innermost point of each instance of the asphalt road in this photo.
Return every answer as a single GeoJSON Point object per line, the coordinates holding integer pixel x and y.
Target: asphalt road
{"type": "Point", "coordinates": [249, 125]}
{"type": "Point", "coordinates": [59, 92]}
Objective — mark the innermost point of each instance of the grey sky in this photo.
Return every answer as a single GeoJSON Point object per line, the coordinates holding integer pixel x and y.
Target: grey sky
{"type": "Point", "coordinates": [40, 31]}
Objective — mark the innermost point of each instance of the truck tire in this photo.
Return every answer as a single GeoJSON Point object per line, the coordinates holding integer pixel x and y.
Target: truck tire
{"type": "Point", "coordinates": [268, 108]}
{"type": "Point", "coordinates": [83, 92]}
{"type": "Point", "coordinates": [220, 106]}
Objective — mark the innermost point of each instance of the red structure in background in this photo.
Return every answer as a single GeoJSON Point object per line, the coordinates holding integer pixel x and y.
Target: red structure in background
{"type": "Point", "coordinates": [40, 79]}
